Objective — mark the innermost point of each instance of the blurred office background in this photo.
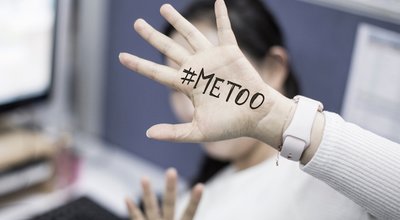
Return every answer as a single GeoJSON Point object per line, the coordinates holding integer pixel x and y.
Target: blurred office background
{"type": "Point", "coordinates": [344, 52]}
{"type": "Point", "coordinates": [102, 98]}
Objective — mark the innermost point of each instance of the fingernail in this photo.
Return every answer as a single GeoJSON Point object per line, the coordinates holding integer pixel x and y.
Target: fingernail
{"type": "Point", "coordinates": [121, 55]}
{"type": "Point", "coordinates": [138, 23]}
{"type": "Point", "coordinates": [148, 134]}
{"type": "Point", "coordinates": [199, 187]}
{"type": "Point", "coordinates": [165, 7]}
{"type": "Point", "coordinates": [145, 180]}
{"type": "Point", "coordinates": [172, 171]}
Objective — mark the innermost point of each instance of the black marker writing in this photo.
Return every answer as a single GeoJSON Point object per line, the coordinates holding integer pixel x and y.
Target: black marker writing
{"type": "Point", "coordinates": [240, 94]}
{"type": "Point", "coordinates": [216, 87]}
{"type": "Point", "coordinates": [204, 77]}
{"type": "Point", "coordinates": [241, 98]}
{"type": "Point", "coordinates": [189, 76]}
{"type": "Point", "coordinates": [232, 88]}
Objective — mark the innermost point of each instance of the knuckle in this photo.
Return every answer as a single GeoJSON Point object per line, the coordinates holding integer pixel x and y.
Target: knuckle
{"type": "Point", "coordinates": [166, 49]}
{"type": "Point", "coordinates": [190, 34]}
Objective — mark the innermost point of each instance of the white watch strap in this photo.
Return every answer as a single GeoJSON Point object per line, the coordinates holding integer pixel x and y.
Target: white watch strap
{"type": "Point", "coordinates": [296, 138]}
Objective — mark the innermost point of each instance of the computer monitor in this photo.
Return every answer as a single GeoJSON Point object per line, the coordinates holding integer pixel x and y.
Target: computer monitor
{"type": "Point", "coordinates": [27, 49]}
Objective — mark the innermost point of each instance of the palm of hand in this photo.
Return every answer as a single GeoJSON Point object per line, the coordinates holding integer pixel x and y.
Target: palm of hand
{"type": "Point", "coordinates": [219, 108]}
{"type": "Point", "coordinates": [223, 108]}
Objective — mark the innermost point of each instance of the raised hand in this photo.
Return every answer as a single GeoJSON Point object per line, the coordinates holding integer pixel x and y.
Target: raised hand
{"type": "Point", "coordinates": [229, 96]}
{"type": "Point", "coordinates": [152, 210]}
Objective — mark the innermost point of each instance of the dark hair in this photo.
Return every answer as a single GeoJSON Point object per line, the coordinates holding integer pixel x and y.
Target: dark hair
{"type": "Point", "coordinates": [256, 31]}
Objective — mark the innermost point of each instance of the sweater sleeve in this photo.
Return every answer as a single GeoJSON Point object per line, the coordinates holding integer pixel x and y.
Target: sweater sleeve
{"type": "Point", "coordinates": [361, 165]}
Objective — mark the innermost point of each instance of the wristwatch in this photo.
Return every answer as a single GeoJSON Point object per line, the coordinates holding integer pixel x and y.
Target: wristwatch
{"type": "Point", "coordinates": [296, 137]}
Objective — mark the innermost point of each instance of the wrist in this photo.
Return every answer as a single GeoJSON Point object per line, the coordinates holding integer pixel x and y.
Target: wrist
{"type": "Point", "coordinates": [271, 127]}
{"type": "Point", "coordinates": [278, 118]}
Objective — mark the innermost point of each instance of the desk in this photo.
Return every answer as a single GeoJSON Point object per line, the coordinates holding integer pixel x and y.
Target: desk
{"type": "Point", "coordinates": [107, 174]}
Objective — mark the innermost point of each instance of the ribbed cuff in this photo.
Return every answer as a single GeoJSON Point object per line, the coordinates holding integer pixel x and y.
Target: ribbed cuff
{"type": "Point", "coordinates": [359, 164]}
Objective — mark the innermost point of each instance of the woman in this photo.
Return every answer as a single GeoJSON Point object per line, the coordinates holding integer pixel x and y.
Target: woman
{"type": "Point", "coordinates": [252, 162]}
{"type": "Point", "coordinates": [359, 164]}
{"type": "Point", "coordinates": [258, 34]}
{"type": "Point", "coordinates": [244, 168]}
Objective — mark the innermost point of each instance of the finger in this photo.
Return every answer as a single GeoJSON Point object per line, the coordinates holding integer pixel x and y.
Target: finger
{"type": "Point", "coordinates": [163, 43]}
{"type": "Point", "coordinates": [195, 38]}
{"type": "Point", "coordinates": [160, 73]}
{"type": "Point", "coordinates": [225, 32]}
{"type": "Point", "coordinates": [177, 133]}
{"type": "Point", "coordinates": [170, 194]}
{"type": "Point", "coordinates": [194, 202]}
{"type": "Point", "coordinates": [150, 201]}
{"type": "Point", "coordinates": [134, 212]}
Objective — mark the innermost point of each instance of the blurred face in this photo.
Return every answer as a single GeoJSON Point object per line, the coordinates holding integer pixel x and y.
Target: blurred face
{"type": "Point", "coordinates": [229, 150]}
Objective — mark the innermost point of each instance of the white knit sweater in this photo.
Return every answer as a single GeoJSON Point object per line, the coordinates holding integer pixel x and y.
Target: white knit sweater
{"type": "Point", "coordinates": [361, 165]}
{"type": "Point", "coordinates": [267, 191]}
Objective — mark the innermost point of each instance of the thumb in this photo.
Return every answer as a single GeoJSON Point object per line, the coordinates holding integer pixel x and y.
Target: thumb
{"type": "Point", "coordinates": [186, 132]}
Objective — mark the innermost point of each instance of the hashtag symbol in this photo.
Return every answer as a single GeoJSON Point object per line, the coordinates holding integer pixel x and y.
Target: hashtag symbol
{"type": "Point", "coordinates": [189, 76]}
